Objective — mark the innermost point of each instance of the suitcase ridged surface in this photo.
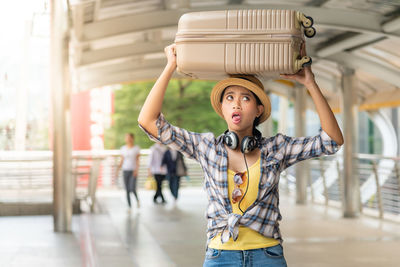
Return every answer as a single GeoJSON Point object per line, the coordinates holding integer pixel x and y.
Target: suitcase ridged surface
{"type": "Point", "coordinates": [276, 20]}
{"type": "Point", "coordinates": [217, 43]}
{"type": "Point", "coordinates": [257, 58]}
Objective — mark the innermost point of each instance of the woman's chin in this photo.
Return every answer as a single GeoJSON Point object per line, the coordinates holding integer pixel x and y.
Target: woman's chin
{"type": "Point", "coordinates": [238, 126]}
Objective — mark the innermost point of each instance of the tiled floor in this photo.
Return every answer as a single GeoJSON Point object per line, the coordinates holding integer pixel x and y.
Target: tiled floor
{"type": "Point", "coordinates": [174, 235]}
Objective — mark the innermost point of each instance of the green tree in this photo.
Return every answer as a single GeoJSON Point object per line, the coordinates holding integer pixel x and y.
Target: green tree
{"type": "Point", "coordinates": [186, 104]}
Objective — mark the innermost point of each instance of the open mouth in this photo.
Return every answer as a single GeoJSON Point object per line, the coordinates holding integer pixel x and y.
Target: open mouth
{"type": "Point", "coordinates": [236, 117]}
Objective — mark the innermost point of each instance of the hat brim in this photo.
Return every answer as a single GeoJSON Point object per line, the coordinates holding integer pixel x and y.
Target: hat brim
{"type": "Point", "coordinates": [257, 90]}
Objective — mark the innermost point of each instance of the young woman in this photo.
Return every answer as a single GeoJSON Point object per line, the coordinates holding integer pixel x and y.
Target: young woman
{"type": "Point", "coordinates": [241, 167]}
{"type": "Point", "coordinates": [130, 166]}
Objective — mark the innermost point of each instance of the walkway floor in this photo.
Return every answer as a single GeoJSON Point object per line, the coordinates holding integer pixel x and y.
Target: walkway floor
{"type": "Point", "coordinates": [174, 235]}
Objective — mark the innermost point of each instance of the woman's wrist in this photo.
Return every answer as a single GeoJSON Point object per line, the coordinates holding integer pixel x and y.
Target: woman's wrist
{"type": "Point", "coordinates": [310, 85]}
{"type": "Point", "coordinates": [170, 67]}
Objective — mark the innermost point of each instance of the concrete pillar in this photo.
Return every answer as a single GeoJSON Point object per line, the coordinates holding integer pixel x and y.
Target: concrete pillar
{"type": "Point", "coordinates": [282, 114]}
{"type": "Point", "coordinates": [395, 122]}
{"type": "Point", "coordinates": [60, 88]}
{"type": "Point", "coordinates": [266, 128]}
{"type": "Point", "coordinates": [23, 93]}
{"type": "Point", "coordinates": [300, 96]}
{"type": "Point", "coordinates": [351, 197]}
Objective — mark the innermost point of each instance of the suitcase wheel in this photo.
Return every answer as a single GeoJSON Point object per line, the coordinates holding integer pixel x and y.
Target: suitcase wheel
{"type": "Point", "coordinates": [310, 32]}
{"type": "Point", "coordinates": [307, 21]}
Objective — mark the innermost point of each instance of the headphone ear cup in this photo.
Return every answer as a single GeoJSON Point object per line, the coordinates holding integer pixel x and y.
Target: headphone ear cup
{"type": "Point", "coordinates": [231, 140]}
{"type": "Point", "coordinates": [257, 134]}
{"type": "Point", "coordinates": [249, 143]}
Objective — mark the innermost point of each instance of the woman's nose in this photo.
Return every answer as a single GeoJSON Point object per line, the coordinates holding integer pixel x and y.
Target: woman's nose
{"type": "Point", "coordinates": [236, 104]}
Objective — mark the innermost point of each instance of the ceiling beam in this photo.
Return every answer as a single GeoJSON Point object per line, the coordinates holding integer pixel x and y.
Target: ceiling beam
{"type": "Point", "coordinates": [102, 72]}
{"type": "Point", "coordinates": [392, 25]}
{"type": "Point", "coordinates": [316, 2]}
{"type": "Point", "coordinates": [359, 39]}
{"type": "Point", "coordinates": [129, 24]}
{"type": "Point", "coordinates": [355, 21]}
{"type": "Point", "coordinates": [121, 51]}
{"type": "Point", "coordinates": [123, 77]}
{"type": "Point", "coordinates": [354, 41]}
{"type": "Point", "coordinates": [126, 8]}
{"type": "Point", "coordinates": [390, 75]}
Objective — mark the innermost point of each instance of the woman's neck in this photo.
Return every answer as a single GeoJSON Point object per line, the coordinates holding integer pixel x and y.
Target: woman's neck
{"type": "Point", "coordinates": [242, 134]}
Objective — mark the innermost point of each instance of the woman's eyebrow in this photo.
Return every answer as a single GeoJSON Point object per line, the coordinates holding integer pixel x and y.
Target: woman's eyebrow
{"type": "Point", "coordinates": [245, 93]}
{"type": "Point", "coordinates": [229, 92]}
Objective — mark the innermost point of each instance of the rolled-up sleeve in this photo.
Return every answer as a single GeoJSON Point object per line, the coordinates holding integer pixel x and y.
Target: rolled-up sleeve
{"type": "Point", "coordinates": [302, 148]}
{"type": "Point", "coordinates": [176, 138]}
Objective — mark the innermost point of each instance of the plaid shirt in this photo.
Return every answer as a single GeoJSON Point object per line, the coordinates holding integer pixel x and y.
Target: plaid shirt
{"type": "Point", "coordinates": [277, 153]}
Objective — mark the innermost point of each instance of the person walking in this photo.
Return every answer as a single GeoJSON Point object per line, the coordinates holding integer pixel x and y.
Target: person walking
{"type": "Point", "coordinates": [241, 167]}
{"type": "Point", "coordinates": [156, 169]}
{"type": "Point", "coordinates": [176, 168]}
{"type": "Point", "coordinates": [130, 154]}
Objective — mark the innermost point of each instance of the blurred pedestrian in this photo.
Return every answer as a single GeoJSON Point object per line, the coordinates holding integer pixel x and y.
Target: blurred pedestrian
{"type": "Point", "coordinates": [157, 170]}
{"type": "Point", "coordinates": [130, 154]}
{"type": "Point", "coordinates": [176, 167]}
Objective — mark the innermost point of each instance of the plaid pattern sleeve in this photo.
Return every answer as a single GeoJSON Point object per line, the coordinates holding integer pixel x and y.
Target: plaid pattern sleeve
{"type": "Point", "coordinates": [177, 138]}
{"type": "Point", "coordinates": [302, 148]}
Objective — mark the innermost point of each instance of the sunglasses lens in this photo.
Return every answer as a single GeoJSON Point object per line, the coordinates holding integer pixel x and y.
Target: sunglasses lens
{"type": "Point", "coordinates": [237, 179]}
{"type": "Point", "coordinates": [237, 195]}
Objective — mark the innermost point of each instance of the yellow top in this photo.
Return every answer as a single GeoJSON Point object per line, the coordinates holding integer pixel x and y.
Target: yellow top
{"type": "Point", "coordinates": [247, 238]}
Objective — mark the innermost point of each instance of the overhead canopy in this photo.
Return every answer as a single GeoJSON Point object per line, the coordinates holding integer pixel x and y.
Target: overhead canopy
{"type": "Point", "coordinates": [118, 41]}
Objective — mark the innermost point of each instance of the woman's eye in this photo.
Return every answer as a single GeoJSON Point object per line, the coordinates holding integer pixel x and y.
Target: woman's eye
{"type": "Point", "coordinates": [229, 97]}
{"type": "Point", "coordinates": [246, 98]}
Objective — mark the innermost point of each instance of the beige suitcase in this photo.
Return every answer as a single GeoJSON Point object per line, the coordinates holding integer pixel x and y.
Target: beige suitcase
{"type": "Point", "coordinates": [214, 44]}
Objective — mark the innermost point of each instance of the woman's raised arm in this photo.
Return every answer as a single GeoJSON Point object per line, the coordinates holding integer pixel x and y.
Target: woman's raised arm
{"type": "Point", "coordinates": [326, 117]}
{"type": "Point", "coordinates": [152, 106]}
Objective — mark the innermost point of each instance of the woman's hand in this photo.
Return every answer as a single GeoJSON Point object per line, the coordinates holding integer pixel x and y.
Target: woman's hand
{"type": "Point", "coordinates": [170, 52]}
{"type": "Point", "coordinates": [305, 76]}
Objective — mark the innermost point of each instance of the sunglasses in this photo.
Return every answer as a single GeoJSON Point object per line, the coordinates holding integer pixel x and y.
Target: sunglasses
{"type": "Point", "coordinates": [237, 193]}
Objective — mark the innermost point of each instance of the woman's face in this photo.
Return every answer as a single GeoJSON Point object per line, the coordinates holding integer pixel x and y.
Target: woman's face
{"type": "Point", "coordinates": [239, 108]}
{"type": "Point", "coordinates": [128, 139]}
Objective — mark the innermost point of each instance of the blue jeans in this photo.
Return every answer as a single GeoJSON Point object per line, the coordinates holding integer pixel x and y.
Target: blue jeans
{"type": "Point", "coordinates": [130, 186]}
{"type": "Point", "coordinates": [174, 182]}
{"type": "Point", "coordinates": [271, 256]}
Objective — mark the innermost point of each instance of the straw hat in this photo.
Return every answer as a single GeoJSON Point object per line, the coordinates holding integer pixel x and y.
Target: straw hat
{"type": "Point", "coordinates": [247, 81]}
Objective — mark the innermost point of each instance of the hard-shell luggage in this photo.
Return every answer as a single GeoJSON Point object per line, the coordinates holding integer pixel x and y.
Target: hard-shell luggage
{"type": "Point", "coordinates": [262, 42]}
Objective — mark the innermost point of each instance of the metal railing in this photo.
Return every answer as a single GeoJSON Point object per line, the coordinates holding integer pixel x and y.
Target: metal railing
{"type": "Point", "coordinates": [379, 183]}
{"type": "Point", "coordinates": [27, 176]}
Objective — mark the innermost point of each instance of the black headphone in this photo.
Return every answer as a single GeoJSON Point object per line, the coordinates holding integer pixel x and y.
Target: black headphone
{"type": "Point", "coordinates": [248, 144]}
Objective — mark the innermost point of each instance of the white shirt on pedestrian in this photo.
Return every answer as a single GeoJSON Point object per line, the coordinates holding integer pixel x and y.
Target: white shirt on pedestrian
{"type": "Point", "coordinates": [155, 159]}
{"type": "Point", "coordinates": [130, 154]}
